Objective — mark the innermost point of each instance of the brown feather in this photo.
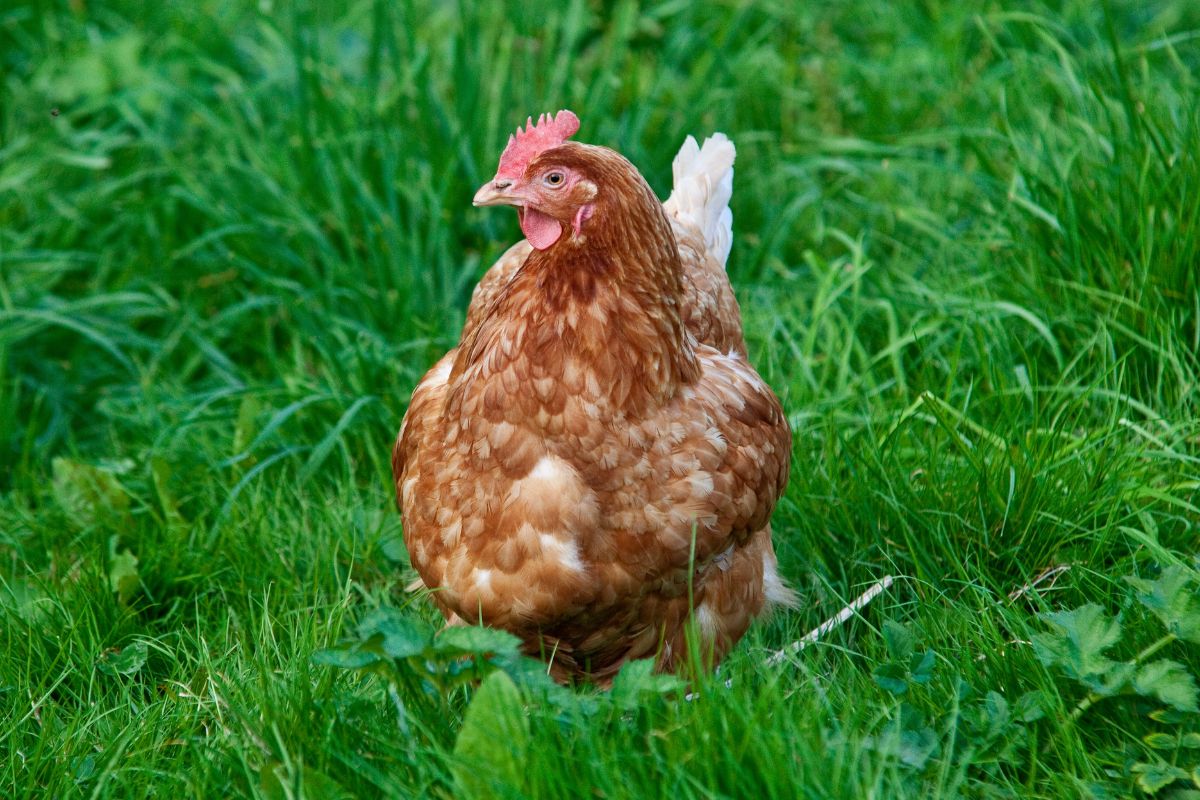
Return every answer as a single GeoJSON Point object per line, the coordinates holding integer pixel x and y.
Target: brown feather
{"type": "Point", "coordinates": [597, 416]}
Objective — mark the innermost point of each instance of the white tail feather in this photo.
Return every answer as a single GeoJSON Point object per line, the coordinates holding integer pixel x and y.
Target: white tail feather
{"type": "Point", "coordinates": [703, 186]}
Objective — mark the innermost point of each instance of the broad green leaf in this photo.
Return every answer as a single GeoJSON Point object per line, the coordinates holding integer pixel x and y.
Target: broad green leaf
{"type": "Point", "coordinates": [1169, 681]}
{"type": "Point", "coordinates": [1152, 778]}
{"type": "Point", "coordinates": [1113, 682]}
{"type": "Point", "coordinates": [160, 475]}
{"type": "Point", "coordinates": [917, 747]}
{"type": "Point", "coordinates": [122, 572]}
{"type": "Point", "coordinates": [295, 781]}
{"type": "Point", "coordinates": [491, 747]}
{"type": "Point", "coordinates": [1159, 741]}
{"type": "Point", "coordinates": [316, 784]}
{"type": "Point", "coordinates": [531, 676]}
{"type": "Point", "coordinates": [394, 550]}
{"type": "Point", "coordinates": [125, 661]}
{"type": "Point", "coordinates": [998, 714]}
{"type": "Point", "coordinates": [638, 681]}
{"type": "Point", "coordinates": [921, 665]}
{"type": "Point", "coordinates": [86, 492]}
{"type": "Point", "coordinates": [892, 678]}
{"type": "Point", "coordinates": [477, 639]}
{"type": "Point", "coordinates": [25, 599]}
{"type": "Point", "coordinates": [1168, 716]}
{"type": "Point", "coordinates": [1078, 641]}
{"type": "Point", "coordinates": [270, 780]}
{"type": "Point", "coordinates": [1098, 790]}
{"type": "Point", "coordinates": [400, 635]}
{"type": "Point", "coordinates": [344, 657]}
{"type": "Point", "coordinates": [1029, 707]}
{"type": "Point", "coordinates": [83, 767]}
{"type": "Point", "coordinates": [1190, 740]}
{"type": "Point", "coordinates": [899, 640]}
{"type": "Point", "coordinates": [1175, 599]}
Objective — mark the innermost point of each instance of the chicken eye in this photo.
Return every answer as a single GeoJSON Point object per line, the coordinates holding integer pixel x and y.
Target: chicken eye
{"type": "Point", "coordinates": [555, 179]}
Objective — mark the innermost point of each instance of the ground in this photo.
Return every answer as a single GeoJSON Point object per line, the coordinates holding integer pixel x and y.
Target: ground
{"type": "Point", "coordinates": [233, 235]}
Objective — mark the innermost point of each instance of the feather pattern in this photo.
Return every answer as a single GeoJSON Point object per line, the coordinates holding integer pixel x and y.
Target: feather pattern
{"type": "Point", "coordinates": [597, 460]}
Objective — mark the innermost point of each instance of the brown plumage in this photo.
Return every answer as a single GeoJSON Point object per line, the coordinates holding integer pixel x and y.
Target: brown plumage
{"type": "Point", "coordinates": [597, 441]}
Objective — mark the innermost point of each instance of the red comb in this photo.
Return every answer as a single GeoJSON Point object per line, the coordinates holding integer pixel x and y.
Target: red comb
{"type": "Point", "coordinates": [525, 145]}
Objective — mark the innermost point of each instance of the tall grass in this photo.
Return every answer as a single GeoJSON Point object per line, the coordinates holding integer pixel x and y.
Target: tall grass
{"type": "Point", "coordinates": [233, 235]}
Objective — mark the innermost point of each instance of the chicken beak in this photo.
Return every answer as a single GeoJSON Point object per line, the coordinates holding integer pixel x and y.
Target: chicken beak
{"type": "Point", "coordinates": [498, 192]}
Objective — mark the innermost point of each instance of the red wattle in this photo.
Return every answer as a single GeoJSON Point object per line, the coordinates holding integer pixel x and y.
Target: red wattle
{"type": "Point", "coordinates": [540, 229]}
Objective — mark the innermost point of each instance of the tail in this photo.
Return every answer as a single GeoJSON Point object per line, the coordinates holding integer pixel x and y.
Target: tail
{"type": "Point", "coordinates": [703, 186]}
{"type": "Point", "coordinates": [777, 593]}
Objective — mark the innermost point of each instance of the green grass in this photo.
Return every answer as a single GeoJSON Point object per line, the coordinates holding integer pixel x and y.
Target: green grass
{"type": "Point", "coordinates": [967, 245]}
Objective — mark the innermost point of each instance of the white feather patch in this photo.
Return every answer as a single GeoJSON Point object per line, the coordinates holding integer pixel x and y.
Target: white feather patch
{"type": "Point", "coordinates": [703, 186]}
{"type": "Point", "coordinates": [777, 592]}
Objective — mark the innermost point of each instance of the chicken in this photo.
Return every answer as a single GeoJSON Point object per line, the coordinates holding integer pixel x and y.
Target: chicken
{"type": "Point", "coordinates": [597, 460]}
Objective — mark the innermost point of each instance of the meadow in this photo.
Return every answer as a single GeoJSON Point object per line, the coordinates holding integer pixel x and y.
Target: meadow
{"type": "Point", "coordinates": [234, 234]}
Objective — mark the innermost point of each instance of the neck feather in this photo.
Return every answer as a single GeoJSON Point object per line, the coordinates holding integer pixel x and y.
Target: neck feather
{"type": "Point", "coordinates": [606, 302]}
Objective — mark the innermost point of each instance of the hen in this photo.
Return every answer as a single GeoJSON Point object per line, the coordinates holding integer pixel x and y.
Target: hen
{"type": "Point", "coordinates": [597, 457]}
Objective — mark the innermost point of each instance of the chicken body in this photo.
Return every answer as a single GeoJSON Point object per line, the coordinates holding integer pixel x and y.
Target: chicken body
{"type": "Point", "coordinates": [597, 458]}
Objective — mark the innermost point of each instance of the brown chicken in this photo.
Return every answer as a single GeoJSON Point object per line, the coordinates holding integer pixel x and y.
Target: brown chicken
{"type": "Point", "coordinates": [597, 456]}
